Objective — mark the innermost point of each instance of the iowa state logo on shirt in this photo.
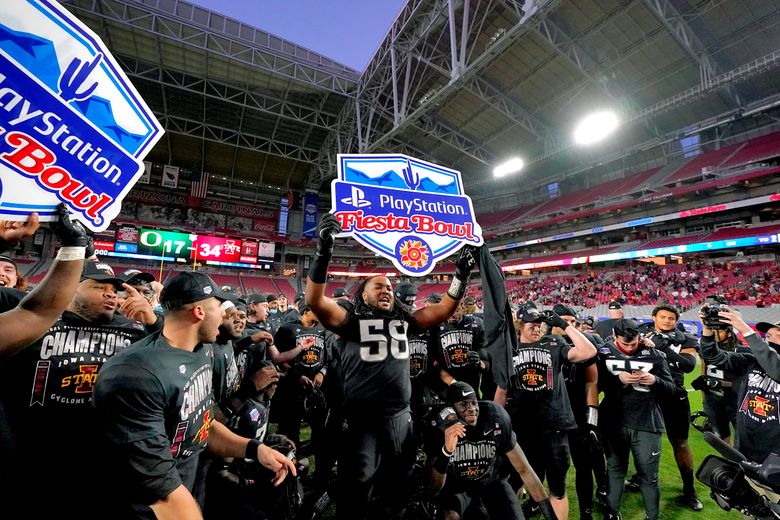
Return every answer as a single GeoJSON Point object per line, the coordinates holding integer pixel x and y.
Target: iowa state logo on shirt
{"type": "Point", "coordinates": [762, 400]}
{"type": "Point", "coordinates": [409, 211]}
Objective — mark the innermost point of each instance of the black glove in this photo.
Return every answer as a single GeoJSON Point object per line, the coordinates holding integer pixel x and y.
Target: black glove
{"type": "Point", "coordinates": [70, 233]}
{"type": "Point", "coordinates": [472, 358]}
{"type": "Point", "coordinates": [466, 262]}
{"type": "Point", "coordinates": [546, 509]}
{"type": "Point", "coordinates": [591, 435]}
{"type": "Point", "coordinates": [553, 320]}
{"type": "Point", "coordinates": [328, 228]}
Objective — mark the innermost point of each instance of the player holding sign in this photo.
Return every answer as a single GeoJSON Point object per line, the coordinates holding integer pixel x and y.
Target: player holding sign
{"type": "Point", "coordinates": [375, 366]}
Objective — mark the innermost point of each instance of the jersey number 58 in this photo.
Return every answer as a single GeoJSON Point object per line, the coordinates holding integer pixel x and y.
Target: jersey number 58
{"type": "Point", "coordinates": [372, 332]}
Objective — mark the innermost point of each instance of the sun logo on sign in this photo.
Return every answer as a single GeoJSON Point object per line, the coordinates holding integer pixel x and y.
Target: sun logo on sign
{"type": "Point", "coordinates": [414, 254]}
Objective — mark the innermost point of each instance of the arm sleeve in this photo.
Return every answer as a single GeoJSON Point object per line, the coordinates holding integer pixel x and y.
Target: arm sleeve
{"type": "Point", "coordinates": [479, 335]}
{"type": "Point", "coordinates": [766, 356]}
{"type": "Point", "coordinates": [685, 362]}
{"type": "Point", "coordinates": [151, 470]}
{"type": "Point", "coordinates": [664, 384]}
{"type": "Point", "coordinates": [735, 361]}
{"type": "Point", "coordinates": [157, 326]}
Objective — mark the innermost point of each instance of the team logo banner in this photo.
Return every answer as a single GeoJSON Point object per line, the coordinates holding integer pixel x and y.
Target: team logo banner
{"type": "Point", "coordinates": [73, 129]}
{"type": "Point", "coordinates": [412, 212]}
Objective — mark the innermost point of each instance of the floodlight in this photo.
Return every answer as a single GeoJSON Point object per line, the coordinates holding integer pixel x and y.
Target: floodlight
{"type": "Point", "coordinates": [595, 127]}
{"type": "Point", "coordinates": [513, 165]}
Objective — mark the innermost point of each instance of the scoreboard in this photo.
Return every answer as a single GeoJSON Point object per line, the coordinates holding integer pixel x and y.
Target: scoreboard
{"type": "Point", "coordinates": [176, 246]}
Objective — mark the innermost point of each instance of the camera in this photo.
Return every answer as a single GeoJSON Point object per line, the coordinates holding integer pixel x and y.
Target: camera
{"type": "Point", "coordinates": [711, 319]}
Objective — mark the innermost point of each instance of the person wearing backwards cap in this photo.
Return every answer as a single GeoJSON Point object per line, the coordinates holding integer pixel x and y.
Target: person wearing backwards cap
{"type": "Point", "coordinates": [757, 382]}
{"type": "Point", "coordinates": [537, 390]}
{"type": "Point", "coordinates": [634, 377]}
{"type": "Point", "coordinates": [340, 293]}
{"type": "Point", "coordinates": [464, 442]}
{"type": "Point", "coordinates": [155, 406]}
{"type": "Point", "coordinates": [50, 384]}
{"type": "Point", "coordinates": [604, 327]}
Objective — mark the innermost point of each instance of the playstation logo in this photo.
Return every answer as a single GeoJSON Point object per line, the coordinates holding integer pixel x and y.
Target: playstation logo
{"type": "Point", "coordinates": [357, 198]}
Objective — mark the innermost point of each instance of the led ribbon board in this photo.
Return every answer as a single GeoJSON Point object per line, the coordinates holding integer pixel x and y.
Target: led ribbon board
{"type": "Point", "coordinates": [409, 211]}
{"type": "Point", "coordinates": [73, 129]}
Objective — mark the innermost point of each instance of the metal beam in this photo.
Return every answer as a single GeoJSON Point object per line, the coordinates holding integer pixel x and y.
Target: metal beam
{"type": "Point", "coordinates": [233, 137]}
{"type": "Point", "coordinates": [163, 19]}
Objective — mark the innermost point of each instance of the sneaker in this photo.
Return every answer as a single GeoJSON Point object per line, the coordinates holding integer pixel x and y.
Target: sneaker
{"type": "Point", "coordinates": [586, 514]}
{"type": "Point", "coordinates": [530, 508]}
{"type": "Point", "coordinates": [601, 497]}
{"type": "Point", "coordinates": [692, 501]}
{"type": "Point", "coordinates": [632, 484]}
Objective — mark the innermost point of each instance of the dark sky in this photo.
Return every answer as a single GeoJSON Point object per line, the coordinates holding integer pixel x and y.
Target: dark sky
{"type": "Point", "coordinates": [347, 31]}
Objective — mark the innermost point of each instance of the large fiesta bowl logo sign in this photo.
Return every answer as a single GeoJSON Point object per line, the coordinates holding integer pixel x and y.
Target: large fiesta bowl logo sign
{"type": "Point", "coordinates": [72, 127]}
{"type": "Point", "coordinates": [409, 211]}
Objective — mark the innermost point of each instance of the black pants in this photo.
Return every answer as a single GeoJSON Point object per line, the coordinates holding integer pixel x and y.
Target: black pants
{"type": "Point", "coordinates": [587, 464]}
{"type": "Point", "coordinates": [498, 497]}
{"type": "Point", "coordinates": [646, 450]}
{"type": "Point", "coordinates": [548, 454]}
{"type": "Point", "coordinates": [722, 412]}
{"type": "Point", "coordinates": [377, 455]}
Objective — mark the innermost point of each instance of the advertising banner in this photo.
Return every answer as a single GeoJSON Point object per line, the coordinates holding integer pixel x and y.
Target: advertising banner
{"type": "Point", "coordinates": [73, 129]}
{"type": "Point", "coordinates": [310, 204]}
{"type": "Point", "coordinates": [409, 211]}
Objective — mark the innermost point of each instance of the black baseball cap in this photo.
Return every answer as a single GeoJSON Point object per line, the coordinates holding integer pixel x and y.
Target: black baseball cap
{"type": "Point", "coordinates": [299, 297]}
{"type": "Point", "coordinates": [614, 305]}
{"type": "Point", "coordinates": [529, 314]}
{"type": "Point", "coordinates": [468, 300]}
{"type": "Point", "coordinates": [190, 287]}
{"type": "Point", "coordinates": [406, 292]}
{"type": "Point", "coordinates": [339, 292]}
{"type": "Point", "coordinates": [100, 272]}
{"type": "Point", "coordinates": [460, 391]}
{"type": "Point", "coordinates": [764, 326]}
{"type": "Point", "coordinates": [629, 329]}
{"type": "Point", "coordinates": [270, 298]}
{"type": "Point", "coordinates": [434, 297]}
{"type": "Point", "coordinates": [256, 298]}
{"type": "Point", "coordinates": [564, 310]}
{"type": "Point", "coordinates": [135, 275]}
{"type": "Point", "coordinates": [4, 258]}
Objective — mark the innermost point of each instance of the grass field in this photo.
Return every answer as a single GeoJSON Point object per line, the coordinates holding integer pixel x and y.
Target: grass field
{"type": "Point", "coordinates": [632, 506]}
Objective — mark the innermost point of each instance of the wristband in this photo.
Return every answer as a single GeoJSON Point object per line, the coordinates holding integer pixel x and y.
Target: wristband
{"type": "Point", "coordinates": [441, 464]}
{"type": "Point", "coordinates": [251, 450]}
{"type": "Point", "coordinates": [318, 272]}
{"type": "Point", "coordinates": [68, 253]}
{"type": "Point", "coordinates": [545, 507]}
{"type": "Point", "coordinates": [457, 288]}
{"type": "Point", "coordinates": [446, 453]}
{"type": "Point", "coordinates": [592, 416]}
{"type": "Point", "coordinates": [750, 333]}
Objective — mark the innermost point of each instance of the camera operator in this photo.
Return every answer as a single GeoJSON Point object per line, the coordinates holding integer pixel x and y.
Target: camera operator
{"type": "Point", "coordinates": [757, 383]}
{"type": "Point", "coordinates": [717, 387]}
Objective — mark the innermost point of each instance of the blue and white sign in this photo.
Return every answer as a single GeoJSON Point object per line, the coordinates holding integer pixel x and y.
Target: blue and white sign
{"type": "Point", "coordinates": [73, 129]}
{"type": "Point", "coordinates": [311, 202]}
{"type": "Point", "coordinates": [409, 211]}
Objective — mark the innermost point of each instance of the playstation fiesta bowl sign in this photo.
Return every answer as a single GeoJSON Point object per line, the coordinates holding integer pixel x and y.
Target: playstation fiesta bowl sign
{"type": "Point", "coordinates": [72, 127]}
{"type": "Point", "coordinates": [409, 211]}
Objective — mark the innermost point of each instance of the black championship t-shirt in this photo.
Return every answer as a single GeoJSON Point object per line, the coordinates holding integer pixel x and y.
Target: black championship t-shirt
{"type": "Point", "coordinates": [474, 462]}
{"type": "Point", "coordinates": [375, 364]}
{"type": "Point", "coordinates": [226, 375]}
{"type": "Point", "coordinates": [154, 392]}
{"type": "Point", "coordinates": [311, 359]}
{"type": "Point", "coordinates": [634, 406]}
{"type": "Point", "coordinates": [453, 342]}
{"type": "Point", "coordinates": [419, 361]}
{"type": "Point", "coordinates": [538, 390]}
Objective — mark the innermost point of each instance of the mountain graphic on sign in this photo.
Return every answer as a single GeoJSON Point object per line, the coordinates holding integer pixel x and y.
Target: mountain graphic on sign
{"type": "Point", "coordinates": [394, 179]}
{"type": "Point", "coordinates": [39, 56]}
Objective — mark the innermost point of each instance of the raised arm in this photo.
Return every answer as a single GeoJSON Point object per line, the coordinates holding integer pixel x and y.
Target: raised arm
{"type": "Point", "coordinates": [40, 309]}
{"type": "Point", "coordinates": [431, 315]}
{"type": "Point", "coordinates": [767, 357]}
{"type": "Point", "coordinates": [330, 314]}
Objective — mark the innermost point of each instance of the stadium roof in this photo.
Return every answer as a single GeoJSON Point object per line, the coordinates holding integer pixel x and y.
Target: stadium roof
{"type": "Point", "coordinates": [257, 110]}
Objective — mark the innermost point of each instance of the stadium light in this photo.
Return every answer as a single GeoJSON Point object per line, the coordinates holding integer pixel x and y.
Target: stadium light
{"type": "Point", "coordinates": [513, 165]}
{"type": "Point", "coordinates": [595, 127]}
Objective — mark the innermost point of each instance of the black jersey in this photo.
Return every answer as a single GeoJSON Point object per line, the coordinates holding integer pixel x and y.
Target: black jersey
{"type": "Point", "coordinates": [474, 463]}
{"type": "Point", "coordinates": [10, 298]}
{"type": "Point", "coordinates": [537, 389]}
{"type": "Point", "coordinates": [633, 406]}
{"type": "Point", "coordinates": [671, 343]}
{"type": "Point", "coordinates": [227, 379]}
{"type": "Point", "coordinates": [251, 420]}
{"type": "Point", "coordinates": [758, 397]}
{"type": "Point", "coordinates": [575, 376]}
{"type": "Point", "coordinates": [374, 363]}
{"type": "Point", "coordinates": [156, 394]}
{"type": "Point", "coordinates": [311, 359]}
{"type": "Point", "coordinates": [452, 344]}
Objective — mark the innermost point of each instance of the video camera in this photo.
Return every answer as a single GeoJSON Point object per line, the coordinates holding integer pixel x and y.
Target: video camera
{"type": "Point", "coordinates": [737, 483]}
{"type": "Point", "coordinates": [710, 314]}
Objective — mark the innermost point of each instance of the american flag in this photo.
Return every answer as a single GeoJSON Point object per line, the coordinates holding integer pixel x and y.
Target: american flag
{"type": "Point", "coordinates": [199, 184]}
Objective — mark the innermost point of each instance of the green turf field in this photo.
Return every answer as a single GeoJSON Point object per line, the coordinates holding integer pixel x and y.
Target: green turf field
{"type": "Point", "coordinates": [671, 509]}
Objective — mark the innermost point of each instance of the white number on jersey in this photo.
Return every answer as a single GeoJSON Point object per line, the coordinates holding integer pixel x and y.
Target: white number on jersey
{"type": "Point", "coordinates": [373, 331]}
